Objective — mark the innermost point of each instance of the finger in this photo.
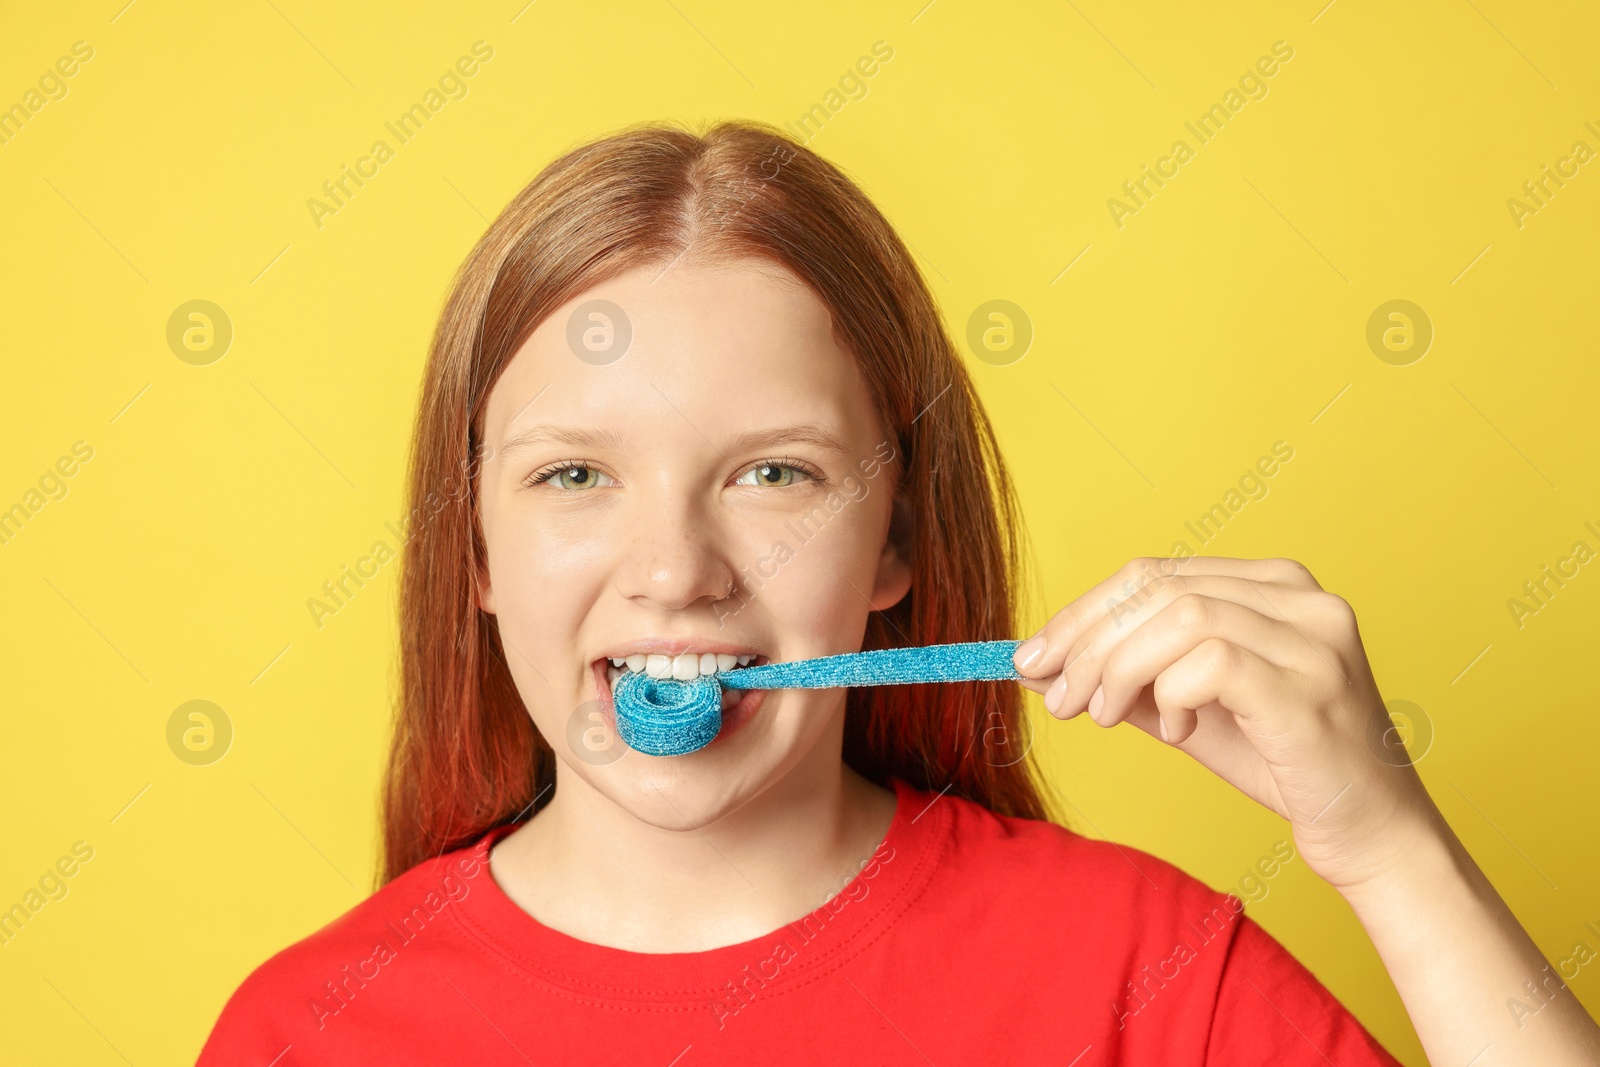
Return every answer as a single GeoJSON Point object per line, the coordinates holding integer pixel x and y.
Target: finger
{"type": "Point", "coordinates": [1038, 685]}
{"type": "Point", "coordinates": [1174, 726]}
{"type": "Point", "coordinates": [1166, 639]}
{"type": "Point", "coordinates": [1043, 655]}
{"type": "Point", "coordinates": [1218, 744]}
{"type": "Point", "coordinates": [1217, 675]}
{"type": "Point", "coordinates": [1276, 569]}
{"type": "Point", "coordinates": [1286, 643]}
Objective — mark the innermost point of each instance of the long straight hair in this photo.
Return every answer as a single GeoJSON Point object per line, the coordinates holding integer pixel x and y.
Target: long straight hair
{"type": "Point", "coordinates": [465, 755]}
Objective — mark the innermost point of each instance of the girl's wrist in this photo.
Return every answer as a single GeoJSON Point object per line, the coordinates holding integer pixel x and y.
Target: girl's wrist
{"type": "Point", "coordinates": [1466, 970]}
{"type": "Point", "coordinates": [1427, 862]}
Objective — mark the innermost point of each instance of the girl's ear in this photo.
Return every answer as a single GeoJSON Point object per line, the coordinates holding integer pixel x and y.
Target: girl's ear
{"type": "Point", "coordinates": [894, 564]}
{"type": "Point", "coordinates": [484, 590]}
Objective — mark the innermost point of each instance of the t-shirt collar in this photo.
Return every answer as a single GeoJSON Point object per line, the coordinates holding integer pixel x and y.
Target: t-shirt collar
{"type": "Point", "coordinates": [887, 884]}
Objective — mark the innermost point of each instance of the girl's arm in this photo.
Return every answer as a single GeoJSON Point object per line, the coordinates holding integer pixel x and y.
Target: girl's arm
{"type": "Point", "coordinates": [1253, 669]}
{"type": "Point", "coordinates": [1476, 987]}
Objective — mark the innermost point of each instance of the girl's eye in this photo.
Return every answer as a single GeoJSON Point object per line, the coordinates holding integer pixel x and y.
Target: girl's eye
{"type": "Point", "coordinates": [775, 474]}
{"type": "Point", "coordinates": [571, 476]}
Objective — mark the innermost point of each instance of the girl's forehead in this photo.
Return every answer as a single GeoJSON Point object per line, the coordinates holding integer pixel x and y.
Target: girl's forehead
{"type": "Point", "coordinates": [716, 345]}
{"type": "Point", "coordinates": [720, 306]}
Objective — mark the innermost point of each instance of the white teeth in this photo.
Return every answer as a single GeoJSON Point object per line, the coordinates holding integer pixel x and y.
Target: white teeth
{"type": "Point", "coordinates": [612, 674]}
{"type": "Point", "coordinates": [683, 667]}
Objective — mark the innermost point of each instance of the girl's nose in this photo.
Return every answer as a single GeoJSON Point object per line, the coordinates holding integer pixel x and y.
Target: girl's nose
{"type": "Point", "coordinates": [675, 560]}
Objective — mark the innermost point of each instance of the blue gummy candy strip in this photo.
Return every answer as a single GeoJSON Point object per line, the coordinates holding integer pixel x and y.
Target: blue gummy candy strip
{"type": "Point", "coordinates": [967, 661]}
{"type": "Point", "coordinates": [668, 717]}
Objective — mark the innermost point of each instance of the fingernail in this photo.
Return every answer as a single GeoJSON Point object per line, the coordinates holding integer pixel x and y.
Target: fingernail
{"type": "Point", "coordinates": [1056, 694]}
{"type": "Point", "coordinates": [1030, 652]}
{"type": "Point", "coordinates": [1097, 702]}
{"type": "Point", "coordinates": [1161, 724]}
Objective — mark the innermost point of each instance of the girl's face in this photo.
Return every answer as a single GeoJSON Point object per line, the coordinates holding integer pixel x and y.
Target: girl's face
{"type": "Point", "coordinates": [693, 466]}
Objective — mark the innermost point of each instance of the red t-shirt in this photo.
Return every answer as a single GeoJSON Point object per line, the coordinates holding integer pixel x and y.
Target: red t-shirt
{"type": "Point", "coordinates": [967, 938]}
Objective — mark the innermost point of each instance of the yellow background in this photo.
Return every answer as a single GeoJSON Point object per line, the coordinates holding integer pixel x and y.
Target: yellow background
{"type": "Point", "coordinates": [1227, 314]}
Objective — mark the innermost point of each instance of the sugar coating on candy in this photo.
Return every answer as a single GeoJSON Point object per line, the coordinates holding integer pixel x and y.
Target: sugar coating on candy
{"type": "Point", "coordinates": [665, 716]}
{"type": "Point", "coordinates": [668, 717]}
{"type": "Point", "coordinates": [962, 662]}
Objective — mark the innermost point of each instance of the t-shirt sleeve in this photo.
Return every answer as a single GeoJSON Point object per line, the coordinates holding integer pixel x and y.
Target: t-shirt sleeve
{"type": "Point", "coordinates": [1271, 1010]}
{"type": "Point", "coordinates": [247, 1031]}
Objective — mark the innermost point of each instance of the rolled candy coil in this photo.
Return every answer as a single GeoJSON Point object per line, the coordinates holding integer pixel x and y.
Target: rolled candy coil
{"type": "Point", "coordinates": [665, 716]}
{"type": "Point", "coordinates": [668, 717]}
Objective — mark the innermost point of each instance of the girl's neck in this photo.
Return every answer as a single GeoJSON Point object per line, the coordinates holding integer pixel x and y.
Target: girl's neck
{"type": "Point", "coordinates": [588, 868]}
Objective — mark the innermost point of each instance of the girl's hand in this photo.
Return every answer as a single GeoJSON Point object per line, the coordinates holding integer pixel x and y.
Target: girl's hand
{"type": "Point", "coordinates": [1255, 671]}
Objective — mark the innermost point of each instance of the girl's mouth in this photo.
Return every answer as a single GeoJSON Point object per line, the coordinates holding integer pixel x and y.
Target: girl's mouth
{"type": "Point", "coordinates": [739, 706]}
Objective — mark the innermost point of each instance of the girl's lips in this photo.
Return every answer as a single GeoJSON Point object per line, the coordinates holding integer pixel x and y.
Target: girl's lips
{"type": "Point", "coordinates": [733, 717]}
{"type": "Point", "coordinates": [608, 708]}
{"type": "Point", "coordinates": [742, 711]}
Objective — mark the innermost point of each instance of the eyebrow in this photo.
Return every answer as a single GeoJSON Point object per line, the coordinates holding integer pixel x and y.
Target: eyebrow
{"type": "Point", "coordinates": [575, 436]}
{"type": "Point", "coordinates": [807, 435]}
{"type": "Point", "coordinates": [599, 440]}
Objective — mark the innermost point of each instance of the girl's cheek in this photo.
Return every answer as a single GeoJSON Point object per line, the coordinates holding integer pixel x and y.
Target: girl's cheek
{"type": "Point", "coordinates": [810, 586]}
{"type": "Point", "coordinates": [544, 581]}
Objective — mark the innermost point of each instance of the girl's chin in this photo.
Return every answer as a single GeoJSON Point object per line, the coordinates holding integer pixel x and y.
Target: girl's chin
{"type": "Point", "coordinates": [739, 706]}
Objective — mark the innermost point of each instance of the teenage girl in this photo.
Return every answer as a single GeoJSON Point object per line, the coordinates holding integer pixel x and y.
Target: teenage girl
{"type": "Point", "coordinates": [689, 404]}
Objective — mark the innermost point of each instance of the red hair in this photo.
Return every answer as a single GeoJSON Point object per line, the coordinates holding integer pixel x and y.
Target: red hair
{"type": "Point", "coordinates": [465, 755]}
